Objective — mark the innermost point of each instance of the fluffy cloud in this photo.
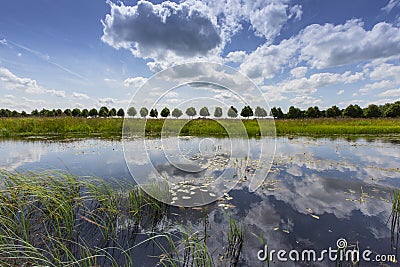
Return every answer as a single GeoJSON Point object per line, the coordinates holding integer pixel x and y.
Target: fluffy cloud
{"type": "Point", "coordinates": [376, 85]}
{"type": "Point", "coordinates": [268, 18]}
{"type": "Point", "coordinates": [80, 95]}
{"type": "Point", "coordinates": [323, 46]}
{"type": "Point", "coordinates": [386, 71]}
{"type": "Point", "coordinates": [236, 56]}
{"type": "Point", "coordinates": [112, 102]}
{"type": "Point", "coordinates": [272, 96]}
{"type": "Point", "coordinates": [385, 81]}
{"type": "Point", "coordinates": [305, 101]}
{"type": "Point", "coordinates": [171, 32]}
{"type": "Point", "coordinates": [340, 92]}
{"type": "Point", "coordinates": [135, 81]}
{"type": "Point", "coordinates": [55, 93]}
{"type": "Point", "coordinates": [267, 60]}
{"type": "Point", "coordinates": [391, 93]}
{"type": "Point", "coordinates": [11, 81]}
{"type": "Point", "coordinates": [23, 103]}
{"type": "Point", "coordinates": [150, 30]}
{"type": "Point", "coordinates": [329, 45]}
{"type": "Point", "coordinates": [106, 101]}
{"type": "Point", "coordinates": [299, 72]}
{"type": "Point", "coordinates": [314, 82]}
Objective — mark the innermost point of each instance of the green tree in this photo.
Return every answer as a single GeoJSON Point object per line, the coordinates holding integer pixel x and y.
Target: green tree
{"type": "Point", "coordinates": [393, 110]}
{"type": "Point", "coordinates": [121, 113]}
{"type": "Point", "coordinates": [43, 113]}
{"type": "Point", "coordinates": [218, 112]}
{"type": "Point", "coordinates": [112, 112]}
{"type": "Point", "coordinates": [50, 113]}
{"type": "Point", "coordinates": [7, 113]}
{"type": "Point", "coordinates": [277, 113]}
{"type": "Point", "coordinates": [191, 112]}
{"type": "Point", "coordinates": [15, 114]}
{"type": "Point", "coordinates": [103, 112]}
{"type": "Point", "coordinates": [143, 112]}
{"type": "Point", "coordinates": [294, 113]}
{"type": "Point", "coordinates": [93, 112]}
{"type": "Point", "coordinates": [132, 112]}
{"type": "Point", "coordinates": [165, 112]}
{"type": "Point", "coordinates": [204, 112]}
{"type": "Point", "coordinates": [59, 112]}
{"type": "Point", "coordinates": [312, 113]}
{"type": "Point", "coordinates": [246, 112]}
{"type": "Point", "coordinates": [384, 107]}
{"type": "Point", "coordinates": [232, 112]}
{"type": "Point", "coordinates": [176, 113]}
{"type": "Point", "coordinates": [35, 112]}
{"type": "Point", "coordinates": [333, 112]}
{"type": "Point", "coordinates": [85, 113]}
{"type": "Point", "coordinates": [372, 111]}
{"type": "Point", "coordinates": [76, 112]}
{"type": "Point", "coordinates": [154, 113]}
{"type": "Point", "coordinates": [353, 111]}
{"type": "Point", "coordinates": [23, 114]}
{"type": "Point", "coordinates": [260, 112]}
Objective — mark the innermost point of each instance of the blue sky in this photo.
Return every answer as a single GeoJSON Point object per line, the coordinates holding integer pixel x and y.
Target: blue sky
{"type": "Point", "coordinates": [92, 53]}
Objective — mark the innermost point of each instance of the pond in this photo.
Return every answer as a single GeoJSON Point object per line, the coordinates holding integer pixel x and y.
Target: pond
{"type": "Point", "coordinates": [317, 190]}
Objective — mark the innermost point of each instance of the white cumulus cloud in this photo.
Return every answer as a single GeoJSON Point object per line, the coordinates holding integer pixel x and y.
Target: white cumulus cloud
{"type": "Point", "coordinates": [160, 30]}
{"type": "Point", "coordinates": [323, 46]}
{"type": "Point", "coordinates": [305, 101]}
{"type": "Point", "coordinates": [169, 33]}
{"type": "Point", "coordinates": [11, 81]}
{"type": "Point", "coordinates": [80, 95]}
{"type": "Point", "coordinates": [391, 93]}
{"type": "Point", "coordinates": [135, 81]}
{"type": "Point", "coordinates": [333, 45]}
{"type": "Point", "coordinates": [299, 72]}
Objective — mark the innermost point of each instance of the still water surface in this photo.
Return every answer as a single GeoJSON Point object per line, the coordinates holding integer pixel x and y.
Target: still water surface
{"type": "Point", "coordinates": [317, 191]}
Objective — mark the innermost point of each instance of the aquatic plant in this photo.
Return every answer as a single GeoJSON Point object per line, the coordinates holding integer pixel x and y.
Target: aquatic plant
{"type": "Point", "coordinates": [54, 218]}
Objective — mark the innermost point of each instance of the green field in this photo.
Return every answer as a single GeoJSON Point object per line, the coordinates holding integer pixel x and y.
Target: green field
{"type": "Point", "coordinates": [112, 127]}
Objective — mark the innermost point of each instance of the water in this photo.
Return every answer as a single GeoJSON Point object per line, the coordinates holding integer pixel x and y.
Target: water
{"type": "Point", "coordinates": [317, 191]}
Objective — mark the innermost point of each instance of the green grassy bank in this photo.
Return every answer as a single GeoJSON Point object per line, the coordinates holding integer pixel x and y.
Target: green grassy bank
{"type": "Point", "coordinates": [112, 127]}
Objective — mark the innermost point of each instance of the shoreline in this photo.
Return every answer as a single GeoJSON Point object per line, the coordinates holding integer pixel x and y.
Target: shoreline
{"type": "Point", "coordinates": [112, 127]}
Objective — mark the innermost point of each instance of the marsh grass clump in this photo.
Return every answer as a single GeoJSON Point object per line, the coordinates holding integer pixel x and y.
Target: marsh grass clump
{"type": "Point", "coordinates": [190, 247]}
{"type": "Point", "coordinates": [394, 218]}
{"type": "Point", "coordinates": [235, 242]}
{"type": "Point", "coordinates": [54, 218]}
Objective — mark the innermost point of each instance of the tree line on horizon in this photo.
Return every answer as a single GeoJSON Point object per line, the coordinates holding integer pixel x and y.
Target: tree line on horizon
{"type": "Point", "coordinates": [352, 111]}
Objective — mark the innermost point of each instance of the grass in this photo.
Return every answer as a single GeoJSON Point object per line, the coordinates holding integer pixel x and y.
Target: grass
{"type": "Point", "coordinates": [57, 219]}
{"type": "Point", "coordinates": [339, 126]}
{"type": "Point", "coordinates": [59, 126]}
{"type": "Point", "coordinates": [394, 218]}
{"type": "Point", "coordinates": [112, 127]}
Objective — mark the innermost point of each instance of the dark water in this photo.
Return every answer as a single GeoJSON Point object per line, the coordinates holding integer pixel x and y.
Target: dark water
{"type": "Point", "coordinates": [317, 191]}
